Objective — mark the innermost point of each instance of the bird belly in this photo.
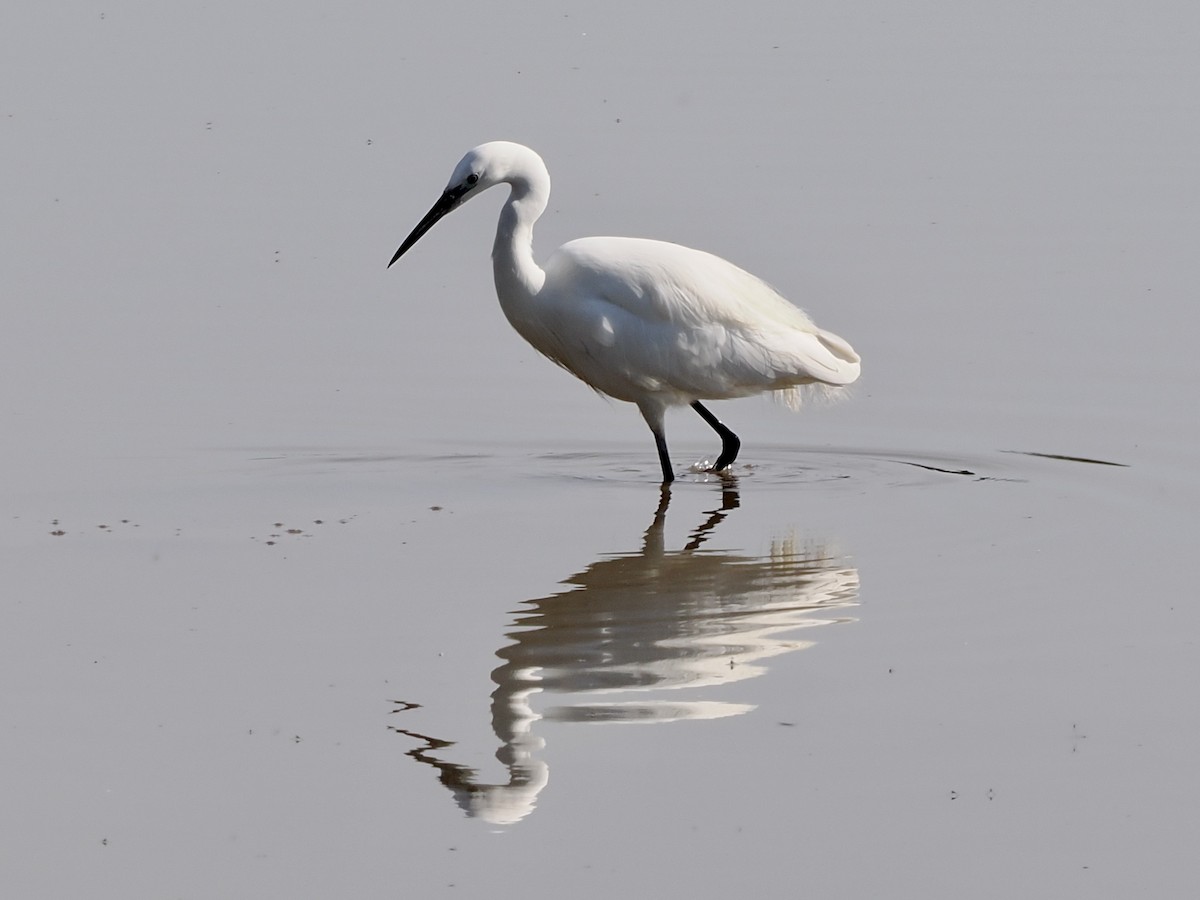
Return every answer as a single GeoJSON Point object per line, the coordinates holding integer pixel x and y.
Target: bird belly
{"type": "Point", "coordinates": [629, 359]}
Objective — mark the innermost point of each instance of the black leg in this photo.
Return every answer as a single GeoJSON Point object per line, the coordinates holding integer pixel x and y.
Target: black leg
{"type": "Point", "coordinates": [730, 442]}
{"type": "Point", "coordinates": [664, 458]}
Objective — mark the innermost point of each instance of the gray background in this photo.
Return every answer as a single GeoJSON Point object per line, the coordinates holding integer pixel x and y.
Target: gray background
{"type": "Point", "coordinates": [202, 351]}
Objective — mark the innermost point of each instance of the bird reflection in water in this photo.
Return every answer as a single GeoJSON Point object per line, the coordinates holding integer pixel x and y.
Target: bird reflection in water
{"type": "Point", "coordinates": [646, 623]}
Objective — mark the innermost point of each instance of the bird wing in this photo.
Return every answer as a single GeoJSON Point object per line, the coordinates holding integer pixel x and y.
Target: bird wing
{"type": "Point", "coordinates": [670, 318]}
{"type": "Point", "coordinates": [661, 281]}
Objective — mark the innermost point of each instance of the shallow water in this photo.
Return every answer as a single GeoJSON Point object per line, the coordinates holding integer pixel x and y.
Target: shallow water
{"type": "Point", "coordinates": [320, 583]}
{"type": "Point", "coordinates": [311, 656]}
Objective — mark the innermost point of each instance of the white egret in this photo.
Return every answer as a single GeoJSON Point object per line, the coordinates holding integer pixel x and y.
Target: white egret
{"type": "Point", "coordinates": [645, 321]}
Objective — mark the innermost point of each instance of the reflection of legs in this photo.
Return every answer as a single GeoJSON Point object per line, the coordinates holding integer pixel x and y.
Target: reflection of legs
{"type": "Point", "coordinates": [652, 542]}
{"type": "Point", "coordinates": [729, 501]}
{"type": "Point", "coordinates": [730, 443]}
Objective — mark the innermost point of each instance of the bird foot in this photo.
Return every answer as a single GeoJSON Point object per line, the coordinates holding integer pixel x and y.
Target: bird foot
{"type": "Point", "coordinates": [707, 467]}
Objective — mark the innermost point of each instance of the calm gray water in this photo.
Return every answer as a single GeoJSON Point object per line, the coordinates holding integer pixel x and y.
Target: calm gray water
{"type": "Point", "coordinates": [322, 583]}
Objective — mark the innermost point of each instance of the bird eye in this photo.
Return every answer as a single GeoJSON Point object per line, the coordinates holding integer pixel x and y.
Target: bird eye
{"type": "Point", "coordinates": [472, 178]}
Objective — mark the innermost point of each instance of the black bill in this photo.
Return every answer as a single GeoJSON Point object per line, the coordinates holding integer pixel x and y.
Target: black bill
{"type": "Point", "coordinates": [446, 203]}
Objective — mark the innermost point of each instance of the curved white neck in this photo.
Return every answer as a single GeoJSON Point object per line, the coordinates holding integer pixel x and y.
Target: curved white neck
{"type": "Point", "coordinates": [518, 277]}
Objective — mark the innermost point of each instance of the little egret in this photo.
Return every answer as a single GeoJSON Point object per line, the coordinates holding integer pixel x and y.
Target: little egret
{"type": "Point", "coordinates": [645, 321]}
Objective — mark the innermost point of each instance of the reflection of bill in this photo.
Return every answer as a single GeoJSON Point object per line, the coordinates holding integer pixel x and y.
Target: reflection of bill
{"type": "Point", "coordinates": [639, 624]}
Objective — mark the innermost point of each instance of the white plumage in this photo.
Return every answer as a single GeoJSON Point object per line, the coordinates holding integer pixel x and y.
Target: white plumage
{"type": "Point", "coordinates": [650, 322]}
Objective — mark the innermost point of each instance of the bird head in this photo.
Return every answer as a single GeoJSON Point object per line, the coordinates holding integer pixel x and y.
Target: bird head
{"type": "Point", "coordinates": [483, 167]}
